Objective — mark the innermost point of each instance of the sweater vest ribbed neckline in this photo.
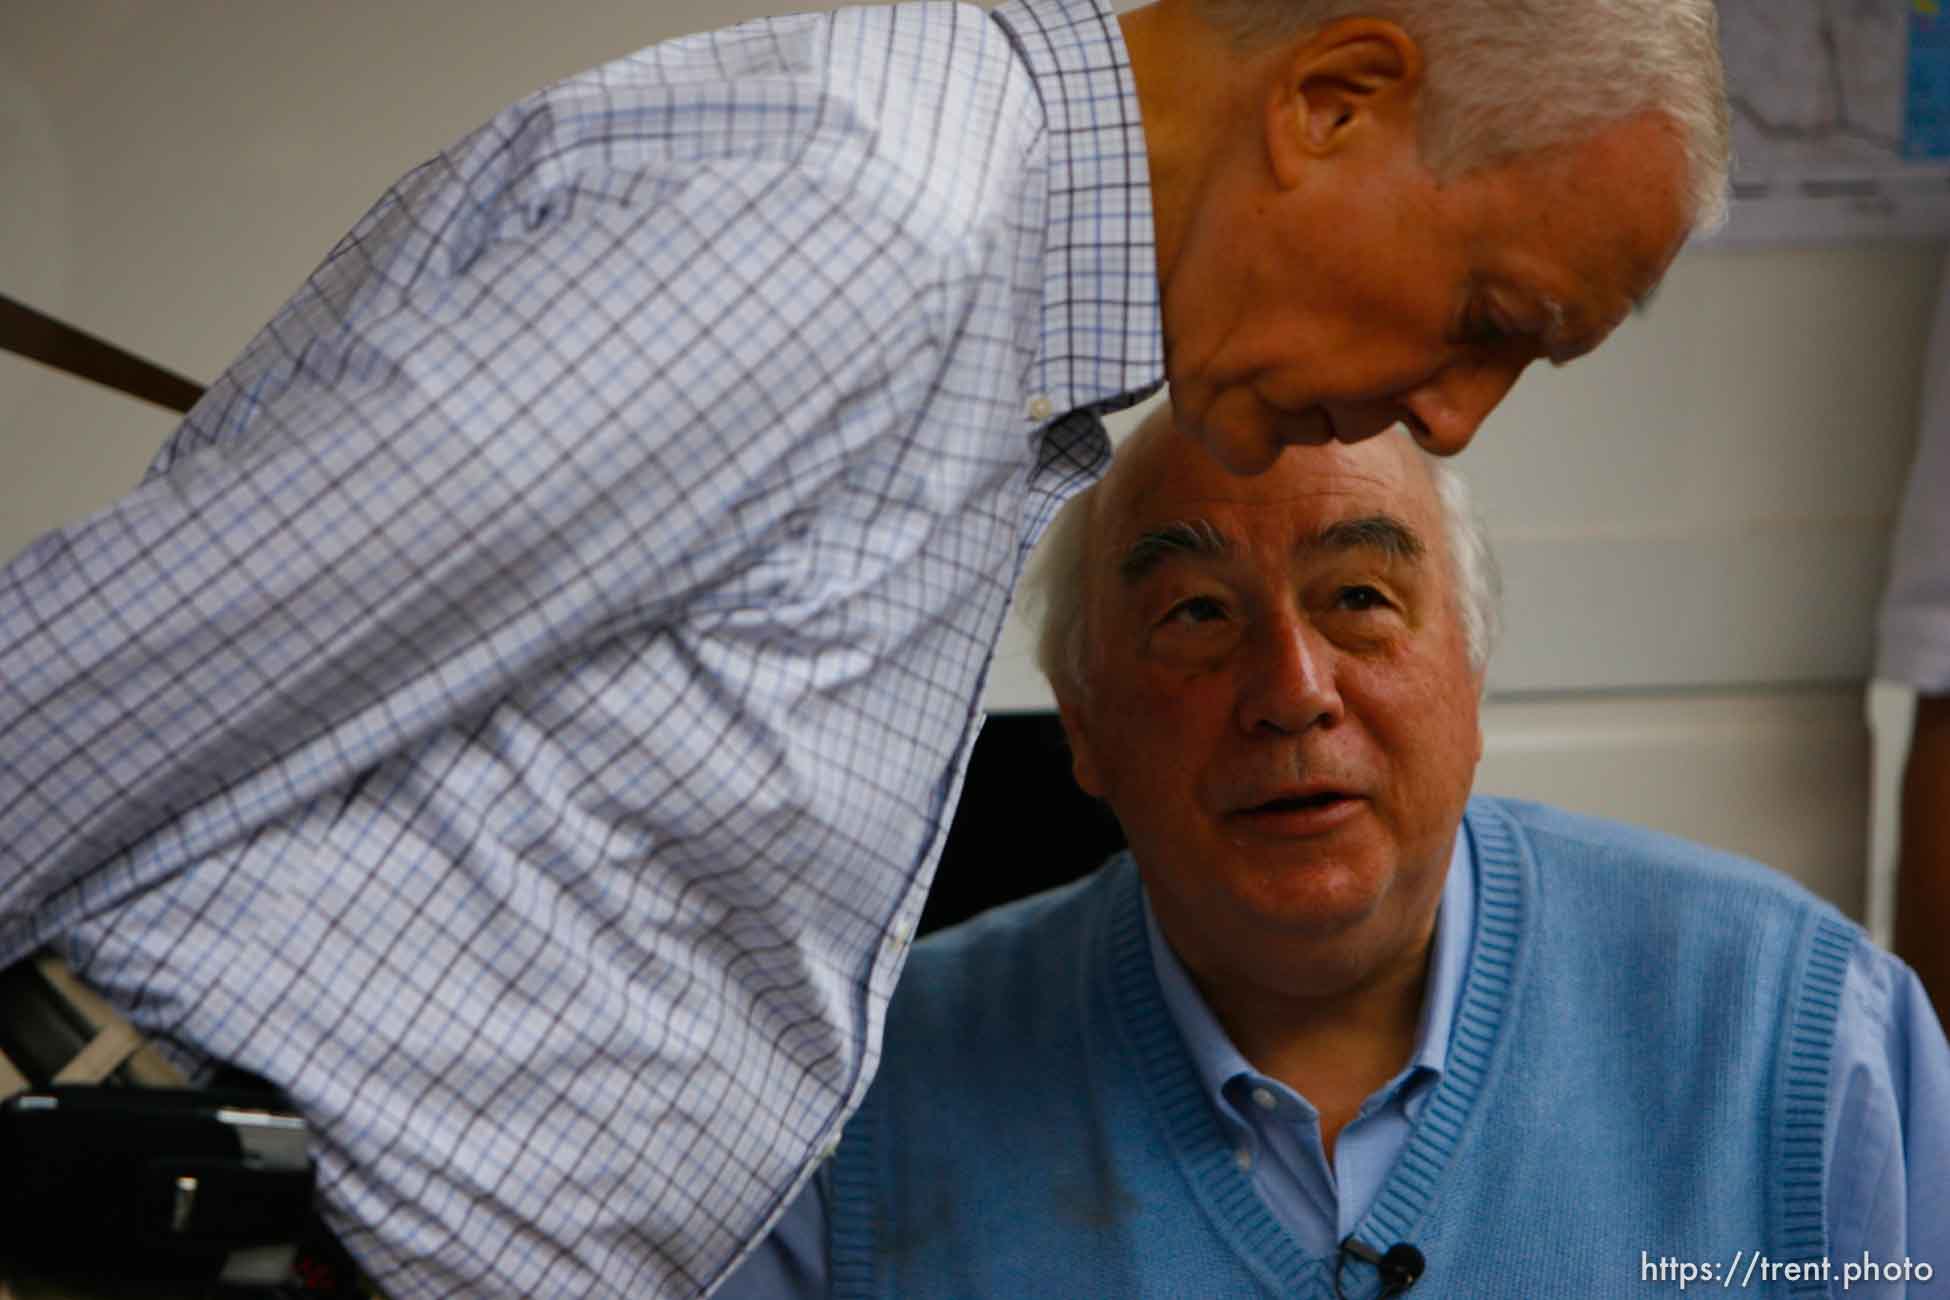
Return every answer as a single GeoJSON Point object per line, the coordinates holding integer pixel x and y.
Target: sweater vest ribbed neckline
{"type": "Point", "coordinates": [1171, 1076]}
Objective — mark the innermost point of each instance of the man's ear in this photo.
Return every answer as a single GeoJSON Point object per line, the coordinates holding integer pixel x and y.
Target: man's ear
{"type": "Point", "coordinates": [1347, 83]}
{"type": "Point", "coordinates": [1476, 718]}
{"type": "Point", "coordinates": [1083, 755]}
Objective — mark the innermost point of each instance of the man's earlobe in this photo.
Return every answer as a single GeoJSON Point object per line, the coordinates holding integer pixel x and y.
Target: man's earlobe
{"type": "Point", "coordinates": [1083, 760]}
{"type": "Point", "coordinates": [1353, 74]}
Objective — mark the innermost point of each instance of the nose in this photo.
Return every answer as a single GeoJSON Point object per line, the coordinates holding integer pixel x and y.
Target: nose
{"type": "Point", "coordinates": [1288, 685]}
{"type": "Point", "coordinates": [1445, 412]}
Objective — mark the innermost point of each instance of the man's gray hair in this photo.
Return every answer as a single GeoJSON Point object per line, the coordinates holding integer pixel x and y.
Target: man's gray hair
{"type": "Point", "coordinates": [1478, 579]}
{"type": "Point", "coordinates": [1053, 587]}
{"type": "Point", "coordinates": [1507, 77]}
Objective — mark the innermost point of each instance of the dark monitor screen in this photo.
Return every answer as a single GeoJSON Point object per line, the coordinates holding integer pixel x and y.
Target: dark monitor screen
{"type": "Point", "coordinates": [1022, 825]}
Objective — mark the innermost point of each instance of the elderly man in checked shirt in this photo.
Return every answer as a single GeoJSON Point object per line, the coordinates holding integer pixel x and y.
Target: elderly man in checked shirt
{"type": "Point", "coordinates": [520, 710]}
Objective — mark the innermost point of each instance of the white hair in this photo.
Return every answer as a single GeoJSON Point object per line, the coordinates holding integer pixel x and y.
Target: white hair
{"type": "Point", "coordinates": [1053, 586]}
{"type": "Point", "coordinates": [1508, 77]}
{"type": "Point", "coordinates": [1052, 590]}
{"type": "Point", "coordinates": [1478, 579]}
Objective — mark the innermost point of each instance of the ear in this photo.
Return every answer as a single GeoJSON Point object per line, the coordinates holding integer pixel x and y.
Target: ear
{"type": "Point", "coordinates": [1083, 755]}
{"type": "Point", "coordinates": [1350, 82]}
{"type": "Point", "coordinates": [1476, 720]}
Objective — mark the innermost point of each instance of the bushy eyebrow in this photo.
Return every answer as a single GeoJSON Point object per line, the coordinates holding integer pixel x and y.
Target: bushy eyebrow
{"type": "Point", "coordinates": [1180, 537]}
{"type": "Point", "coordinates": [1384, 534]}
{"type": "Point", "coordinates": [1556, 331]}
{"type": "Point", "coordinates": [1561, 346]}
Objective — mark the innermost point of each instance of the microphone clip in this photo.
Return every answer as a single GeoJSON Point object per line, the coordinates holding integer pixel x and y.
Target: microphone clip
{"type": "Point", "coordinates": [1399, 1267]}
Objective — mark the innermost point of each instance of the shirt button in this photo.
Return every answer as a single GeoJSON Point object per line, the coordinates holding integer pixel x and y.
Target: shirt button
{"type": "Point", "coordinates": [1244, 1159]}
{"type": "Point", "coordinates": [897, 937]}
{"type": "Point", "coordinates": [1039, 407]}
{"type": "Point", "coordinates": [1265, 1100]}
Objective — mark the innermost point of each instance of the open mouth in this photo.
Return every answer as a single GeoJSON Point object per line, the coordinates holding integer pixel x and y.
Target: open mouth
{"type": "Point", "coordinates": [1301, 803]}
{"type": "Point", "coordinates": [1319, 812]}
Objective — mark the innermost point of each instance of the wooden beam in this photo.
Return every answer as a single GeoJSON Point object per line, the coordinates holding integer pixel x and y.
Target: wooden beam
{"type": "Point", "coordinates": [42, 338]}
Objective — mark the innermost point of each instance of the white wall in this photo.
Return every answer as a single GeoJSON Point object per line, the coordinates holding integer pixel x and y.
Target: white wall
{"type": "Point", "coordinates": [1692, 521]}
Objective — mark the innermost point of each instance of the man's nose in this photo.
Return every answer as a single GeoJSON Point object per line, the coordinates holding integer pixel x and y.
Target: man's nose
{"type": "Point", "coordinates": [1288, 684]}
{"type": "Point", "coordinates": [1445, 412]}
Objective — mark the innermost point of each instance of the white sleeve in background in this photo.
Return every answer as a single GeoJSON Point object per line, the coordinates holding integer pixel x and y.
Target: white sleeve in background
{"type": "Point", "coordinates": [1913, 644]}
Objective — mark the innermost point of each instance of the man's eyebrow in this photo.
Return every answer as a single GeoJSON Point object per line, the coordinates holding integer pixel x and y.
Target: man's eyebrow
{"type": "Point", "coordinates": [1383, 533]}
{"type": "Point", "coordinates": [1560, 345]}
{"type": "Point", "coordinates": [1180, 537]}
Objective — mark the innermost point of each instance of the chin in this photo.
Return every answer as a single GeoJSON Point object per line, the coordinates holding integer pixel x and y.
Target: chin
{"type": "Point", "coordinates": [1235, 428]}
{"type": "Point", "coordinates": [1306, 426]}
{"type": "Point", "coordinates": [1313, 903]}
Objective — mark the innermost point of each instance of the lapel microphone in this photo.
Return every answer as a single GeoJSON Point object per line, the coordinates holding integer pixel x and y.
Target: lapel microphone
{"type": "Point", "coordinates": [1399, 1266]}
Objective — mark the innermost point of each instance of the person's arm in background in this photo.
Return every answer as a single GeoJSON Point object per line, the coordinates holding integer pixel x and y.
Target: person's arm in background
{"type": "Point", "coordinates": [1923, 882]}
{"type": "Point", "coordinates": [1913, 647]}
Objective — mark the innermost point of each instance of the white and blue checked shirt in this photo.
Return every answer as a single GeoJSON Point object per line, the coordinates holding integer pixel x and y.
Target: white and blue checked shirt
{"type": "Point", "coordinates": [521, 709]}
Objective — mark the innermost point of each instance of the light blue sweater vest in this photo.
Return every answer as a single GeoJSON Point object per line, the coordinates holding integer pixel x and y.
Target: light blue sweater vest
{"type": "Point", "coordinates": [1638, 1068]}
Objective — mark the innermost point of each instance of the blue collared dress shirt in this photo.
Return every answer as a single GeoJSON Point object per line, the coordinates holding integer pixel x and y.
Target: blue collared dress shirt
{"type": "Point", "coordinates": [1888, 1115]}
{"type": "Point", "coordinates": [520, 710]}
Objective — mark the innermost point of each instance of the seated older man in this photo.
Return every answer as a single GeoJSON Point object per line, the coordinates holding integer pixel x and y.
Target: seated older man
{"type": "Point", "coordinates": [1330, 1022]}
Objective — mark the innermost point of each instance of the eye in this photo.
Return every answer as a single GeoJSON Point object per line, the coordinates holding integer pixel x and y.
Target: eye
{"type": "Point", "coordinates": [1198, 609]}
{"type": "Point", "coordinates": [1483, 330]}
{"type": "Point", "coordinates": [1359, 599]}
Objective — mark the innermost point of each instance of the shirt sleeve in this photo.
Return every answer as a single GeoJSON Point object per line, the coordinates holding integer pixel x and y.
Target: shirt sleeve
{"type": "Point", "coordinates": [1888, 1137]}
{"type": "Point", "coordinates": [1914, 631]}
{"type": "Point", "coordinates": [492, 431]}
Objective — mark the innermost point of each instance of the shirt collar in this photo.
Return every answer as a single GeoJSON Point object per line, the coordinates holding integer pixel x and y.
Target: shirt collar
{"type": "Point", "coordinates": [1218, 1061]}
{"type": "Point", "coordinates": [1102, 343]}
